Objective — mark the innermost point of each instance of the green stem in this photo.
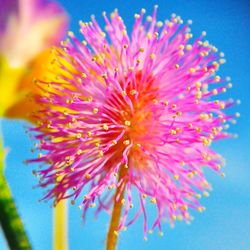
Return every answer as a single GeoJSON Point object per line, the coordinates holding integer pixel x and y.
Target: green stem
{"type": "Point", "coordinates": [10, 221]}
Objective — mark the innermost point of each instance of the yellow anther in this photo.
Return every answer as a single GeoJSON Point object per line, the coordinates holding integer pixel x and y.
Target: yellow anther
{"type": "Point", "coordinates": [123, 201]}
{"type": "Point", "coordinates": [111, 186]}
{"type": "Point", "coordinates": [87, 176]}
{"type": "Point", "coordinates": [192, 70]}
{"type": "Point", "coordinates": [181, 53]}
{"type": "Point", "coordinates": [144, 196]}
{"type": "Point", "coordinates": [198, 95]}
{"type": "Point", "coordinates": [153, 200]}
{"type": "Point", "coordinates": [170, 24]}
{"type": "Point", "coordinates": [127, 123]}
{"type": "Point", "coordinates": [181, 46]}
{"type": "Point", "coordinates": [152, 56]}
{"type": "Point", "coordinates": [217, 78]}
{"type": "Point", "coordinates": [176, 177]}
{"type": "Point", "coordinates": [104, 76]}
{"type": "Point", "coordinates": [178, 130]}
{"type": "Point", "coordinates": [101, 153]}
{"type": "Point", "coordinates": [116, 233]}
{"type": "Point", "coordinates": [173, 132]}
{"type": "Point", "coordinates": [59, 178]}
{"type": "Point", "coordinates": [79, 151]}
{"type": "Point", "coordinates": [78, 135]}
{"type": "Point", "coordinates": [70, 33]}
{"type": "Point", "coordinates": [201, 209]}
{"type": "Point", "coordinates": [105, 127]}
{"type": "Point", "coordinates": [214, 130]}
{"type": "Point", "coordinates": [198, 196]}
{"type": "Point", "coordinates": [177, 66]}
{"type": "Point", "coordinates": [205, 44]}
{"type": "Point", "coordinates": [205, 193]}
{"type": "Point", "coordinates": [83, 75]}
{"type": "Point", "coordinates": [133, 92]}
{"type": "Point", "coordinates": [141, 50]}
{"type": "Point", "coordinates": [95, 110]}
{"type": "Point", "coordinates": [222, 105]}
{"type": "Point", "coordinates": [149, 35]}
{"type": "Point", "coordinates": [179, 217]}
{"type": "Point", "coordinates": [90, 98]}
{"type": "Point", "coordinates": [166, 103]}
{"type": "Point", "coordinates": [92, 205]}
{"type": "Point", "coordinates": [198, 129]}
{"type": "Point", "coordinates": [190, 175]}
{"type": "Point", "coordinates": [184, 207]}
{"type": "Point", "coordinates": [125, 166]}
{"type": "Point", "coordinates": [125, 46]}
{"type": "Point", "coordinates": [161, 233]}
{"type": "Point", "coordinates": [114, 142]}
{"type": "Point", "coordinates": [182, 163]}
{"type": "Point", "coordinates": [159, 24]}
{"type": "Point", "coordinates": [126, 142]}
{"type": "Point", "coordinates": [222, 61]}
{"type": "Point", "coordinates": [84, 43]}
{"type": "Point", "coordinates": [188, 47]}
{"type": "Point", "coordinates": [89, 133]}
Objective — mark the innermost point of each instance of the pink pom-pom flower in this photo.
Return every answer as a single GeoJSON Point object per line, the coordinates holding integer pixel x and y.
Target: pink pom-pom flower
{"type": "Point", "coordinates": [132, 112]}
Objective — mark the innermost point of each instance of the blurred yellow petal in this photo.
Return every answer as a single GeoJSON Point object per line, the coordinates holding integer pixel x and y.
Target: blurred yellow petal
{"type": "Point", "coordinates": [9, 81]}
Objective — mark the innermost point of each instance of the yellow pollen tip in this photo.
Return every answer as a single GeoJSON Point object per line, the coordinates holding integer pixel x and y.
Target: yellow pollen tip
{"type": "Point", "coordinates": [87, 176]}
{"type": "Point", "coordinates": [101, 153]}
{"type": "Point", "coordinates": [133, 92]}
{"type": "Point", "coordinates": [152, 56]}
{"type": "Point", "coordinates": [95, 110]}
{"type": "Point", "coordinates": [126, 142]}
{"type": "Point", "coordinates": [127, 123]}
{"type": "Point", "coordinates": [105, 127]}
{"type": "Point", "coordinates": [153, 200]}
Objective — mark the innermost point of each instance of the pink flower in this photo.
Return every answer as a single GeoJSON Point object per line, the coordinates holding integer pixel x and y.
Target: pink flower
{"type": "Point", "coordinates": [133, 113]}
{"type": "Point", "coordinates": [30, 27]}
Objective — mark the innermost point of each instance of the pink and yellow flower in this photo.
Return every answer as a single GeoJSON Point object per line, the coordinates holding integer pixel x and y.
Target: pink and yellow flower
{"type": "Point", "coordinates": [133, 114]}
{"type": "Point", "coordinates": [30, 27]}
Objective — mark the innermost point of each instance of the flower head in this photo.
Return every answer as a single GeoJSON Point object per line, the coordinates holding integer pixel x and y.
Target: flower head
{"type": "Point", "coordinates": [28, 30]}
{"type": "Point", "coordinates": [135, 112]}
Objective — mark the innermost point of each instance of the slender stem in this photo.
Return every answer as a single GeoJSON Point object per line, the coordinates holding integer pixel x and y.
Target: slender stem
{"type": "Point", "coordinates": [10, 221]}
{"type": "Point", "coordinates": [60, 226]}
{"type": "Point", "coordinates": [112, 236]}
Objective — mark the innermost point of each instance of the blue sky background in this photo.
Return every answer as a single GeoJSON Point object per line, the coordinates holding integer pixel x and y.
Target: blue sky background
{"type": "Point", "coordinates": [226, 223]}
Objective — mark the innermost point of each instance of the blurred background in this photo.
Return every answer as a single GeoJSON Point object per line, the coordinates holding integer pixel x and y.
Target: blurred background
{"type": "Point", "coordinates": [225, 225]}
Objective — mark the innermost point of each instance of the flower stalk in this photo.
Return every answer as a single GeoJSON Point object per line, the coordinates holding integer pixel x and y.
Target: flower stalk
{"type": "Point", "coordinates": [60, 226]}
{"type": "Point", "coordinates": [112, 236]}
{"type": "Point", "coordinates": [10, 220]}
